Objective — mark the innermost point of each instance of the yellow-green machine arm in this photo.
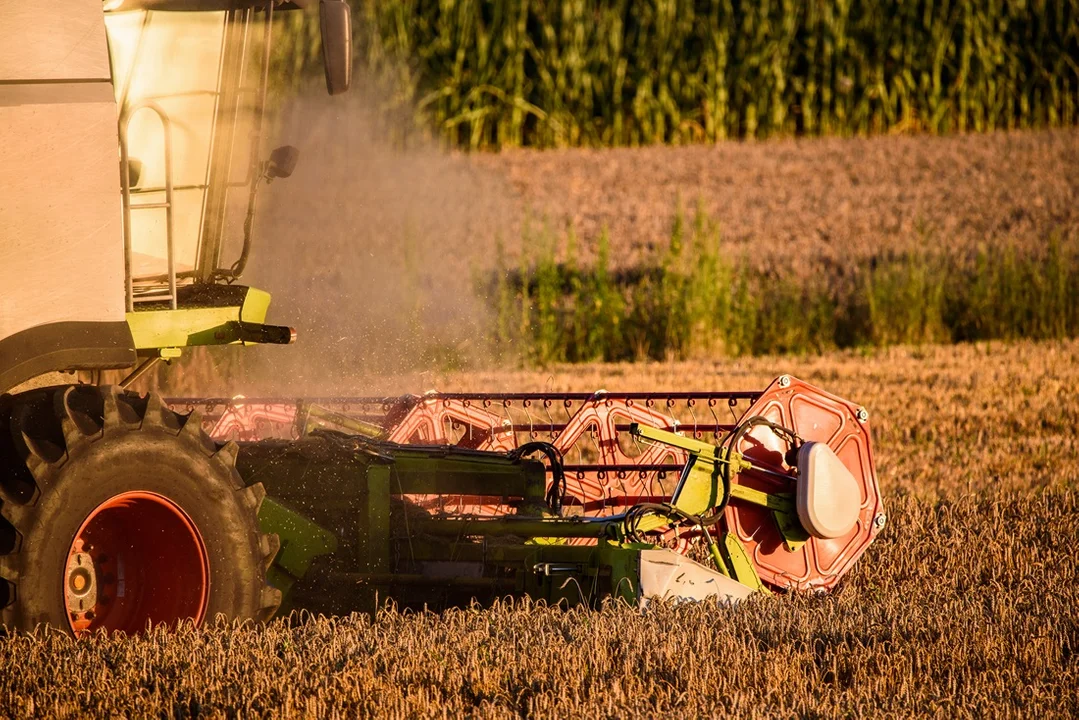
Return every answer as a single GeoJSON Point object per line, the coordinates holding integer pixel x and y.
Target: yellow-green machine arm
{"type": "Point", "coordinates": [706, 486]}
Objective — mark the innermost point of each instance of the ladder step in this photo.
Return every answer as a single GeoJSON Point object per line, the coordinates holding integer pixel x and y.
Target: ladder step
{"type": "Point", "coordinates": [150, 206]}
{"type": "Point", "coordinates": [159, 189]}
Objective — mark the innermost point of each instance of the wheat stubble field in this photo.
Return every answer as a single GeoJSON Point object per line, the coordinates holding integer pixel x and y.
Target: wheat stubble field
{"type": "Point", "coordinates": [964, 607]}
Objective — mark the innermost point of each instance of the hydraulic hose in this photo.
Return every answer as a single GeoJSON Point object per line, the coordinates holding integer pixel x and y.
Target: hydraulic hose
{"type": "Point", "coordinates": [557, 492]}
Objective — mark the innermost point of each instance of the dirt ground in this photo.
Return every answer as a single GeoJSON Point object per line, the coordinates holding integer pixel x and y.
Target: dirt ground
{"type": "Point", "coordinates": [826, 198]}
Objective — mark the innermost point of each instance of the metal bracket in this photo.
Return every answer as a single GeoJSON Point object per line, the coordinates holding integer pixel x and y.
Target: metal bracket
{"type": "Point", "coordinates": [741, 567]}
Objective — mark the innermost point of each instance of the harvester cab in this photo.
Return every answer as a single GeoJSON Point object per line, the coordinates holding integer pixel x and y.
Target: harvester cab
{"type": "Point", "coordinates": [177, 90]}
{"type": "Point", "coordinates": [130, 153]}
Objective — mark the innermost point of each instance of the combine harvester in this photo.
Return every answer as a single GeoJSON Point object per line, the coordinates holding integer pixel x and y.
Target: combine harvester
{"type": "Point", "coordinates": [118, 509]}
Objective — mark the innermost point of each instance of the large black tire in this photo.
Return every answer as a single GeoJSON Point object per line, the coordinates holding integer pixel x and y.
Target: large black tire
{"type": "Point", "coordinates": [66, 451]}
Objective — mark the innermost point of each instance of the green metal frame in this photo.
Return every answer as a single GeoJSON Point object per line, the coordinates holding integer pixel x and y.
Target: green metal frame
{"type": "Point", "coordinates": [301, 542]}
{"type": "Point", "coordinates": [386, 544]}
{"type": "Point", "coordinates": [699, 490]}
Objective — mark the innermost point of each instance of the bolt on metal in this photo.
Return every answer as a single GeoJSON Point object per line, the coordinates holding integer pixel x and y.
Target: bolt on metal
{"type": "Point", "coordinates": [784, 381]}
{"type": "Point", "coordinates": [862, 414]}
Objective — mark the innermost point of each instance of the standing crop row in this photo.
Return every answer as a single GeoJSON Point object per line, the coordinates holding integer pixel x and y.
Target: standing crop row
{"type": "Point", "coordinates": [553, 73]}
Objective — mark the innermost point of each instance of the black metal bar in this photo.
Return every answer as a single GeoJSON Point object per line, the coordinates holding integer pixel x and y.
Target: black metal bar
{"type": "Point", "coordinates": [714, 395]}
{"type": "Point", "coordinates": [601, 467]}
{"type": "Point", "coordinates": [264, 334]}
{"type": "Point", "coordinates": [524, 527]}
{"type": "Point", "coordinates": [620, 427]}
{"type": "Point", "coordinates": [481, 397]}
{"type": "Point", "coordinates": [140, 371]}
{"type": "Point", "coordinates": [507, 583]}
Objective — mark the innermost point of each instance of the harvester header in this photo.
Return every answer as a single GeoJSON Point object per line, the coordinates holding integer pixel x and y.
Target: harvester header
{"type": "Point", "coordinates": [778, 492]}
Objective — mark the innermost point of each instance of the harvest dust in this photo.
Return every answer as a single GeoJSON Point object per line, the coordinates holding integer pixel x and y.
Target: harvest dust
{"type": "Point", "coordinates": [369, 251]}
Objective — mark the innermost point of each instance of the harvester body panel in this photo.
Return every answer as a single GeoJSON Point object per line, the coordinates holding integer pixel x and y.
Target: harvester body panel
{"type": "Point", "coordinates": [129, 140]}
{"type": "Point", "coordinates": [60, 224]}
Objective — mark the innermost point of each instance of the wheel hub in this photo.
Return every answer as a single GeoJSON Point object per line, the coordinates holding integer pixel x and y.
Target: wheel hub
{"type": "Point", "coordinates": [81, 585]}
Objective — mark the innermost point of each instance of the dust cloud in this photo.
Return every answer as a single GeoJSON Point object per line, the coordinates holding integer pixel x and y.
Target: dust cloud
{"type": "Point", "coordinates": [372, 252]}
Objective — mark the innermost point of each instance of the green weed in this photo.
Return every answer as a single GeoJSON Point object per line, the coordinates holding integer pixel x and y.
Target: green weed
{"type": "Point", "coordinates": [694, 299]}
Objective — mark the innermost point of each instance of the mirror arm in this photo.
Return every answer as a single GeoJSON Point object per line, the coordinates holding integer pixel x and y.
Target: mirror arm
{"type": "Point", "coordinates": [238, 267]}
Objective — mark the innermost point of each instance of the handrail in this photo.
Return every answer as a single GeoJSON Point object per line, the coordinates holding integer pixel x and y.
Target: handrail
{"type": "Point", "coordinates": [125, 184]}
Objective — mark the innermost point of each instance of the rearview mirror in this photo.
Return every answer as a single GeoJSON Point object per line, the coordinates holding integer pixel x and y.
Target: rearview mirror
{"type": "Point", "coordinates": [282, 162]}
{"type": "Point", "coordinates": [336, 21]}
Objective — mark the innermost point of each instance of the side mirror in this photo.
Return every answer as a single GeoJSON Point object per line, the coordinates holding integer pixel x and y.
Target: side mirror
{"type": "Point", "coordinates": [335, 19]}
{"type": "Point", "coordinates": [282, 162]}
{"type": "Point", "coordinates": [134, 172]}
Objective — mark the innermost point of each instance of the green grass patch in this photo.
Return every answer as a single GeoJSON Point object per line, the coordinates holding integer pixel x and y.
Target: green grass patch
{"type": "Point", "coordinates": [695, 299]}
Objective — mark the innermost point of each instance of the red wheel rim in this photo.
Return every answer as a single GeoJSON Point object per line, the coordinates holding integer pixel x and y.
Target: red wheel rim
{"type": "Point", "coordinates": [136, 559]}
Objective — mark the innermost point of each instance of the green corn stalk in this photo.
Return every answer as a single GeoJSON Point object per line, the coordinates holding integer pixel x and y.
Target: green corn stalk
{"type": "Point", "coordinates": [553, 73]}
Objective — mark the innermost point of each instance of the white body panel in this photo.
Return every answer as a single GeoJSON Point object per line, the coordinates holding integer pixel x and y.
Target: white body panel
{"type": "Point", "coordinates": [61, 233]}
{"type": "Point", "coordinates": [52, 40]}
{"type": "Point", "coordinates": [61, 250]}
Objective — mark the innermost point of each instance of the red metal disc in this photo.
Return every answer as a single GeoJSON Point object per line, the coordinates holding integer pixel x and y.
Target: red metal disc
{"type": "Point", "coordinates": [818, 416]}
{"type": "Point", "coordinates": [137, 559]}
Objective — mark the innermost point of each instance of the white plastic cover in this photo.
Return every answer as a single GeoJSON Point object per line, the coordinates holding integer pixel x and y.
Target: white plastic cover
{"type": "Point", "coordinates": [61, 243]}
{"type": "Point", "coordinates": [668, 575]}
{"type": "Point", "coordinates": [828, 495]}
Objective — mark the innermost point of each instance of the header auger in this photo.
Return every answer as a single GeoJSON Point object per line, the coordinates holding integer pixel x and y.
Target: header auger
{"type": "Point", "coordinates": [119, 510]}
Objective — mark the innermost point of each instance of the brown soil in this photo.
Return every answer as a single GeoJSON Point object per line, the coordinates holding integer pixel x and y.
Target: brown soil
{"type": "Point", "coordinates": [830, 198]}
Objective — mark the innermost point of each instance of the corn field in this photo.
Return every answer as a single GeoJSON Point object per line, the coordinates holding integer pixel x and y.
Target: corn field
{"type": "Point", "coordinates": [607, 73]}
